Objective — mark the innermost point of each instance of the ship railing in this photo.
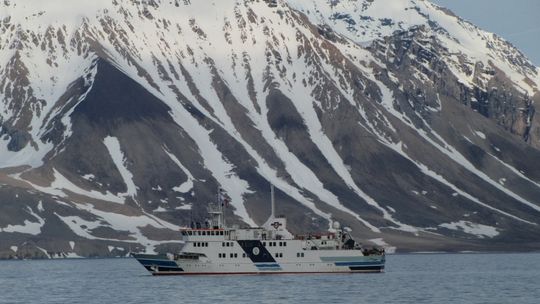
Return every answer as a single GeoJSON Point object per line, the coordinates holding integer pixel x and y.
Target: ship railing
{"type": "Point", "coordinates": [316, 236]}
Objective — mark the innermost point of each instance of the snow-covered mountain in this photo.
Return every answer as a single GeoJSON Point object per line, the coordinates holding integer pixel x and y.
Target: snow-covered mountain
{"type": "Point", "coordinates": [121, 118]}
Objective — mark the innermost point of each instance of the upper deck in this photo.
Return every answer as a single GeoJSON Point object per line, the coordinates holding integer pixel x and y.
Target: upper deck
{"type": "Point", "coordinates": [309, 241]}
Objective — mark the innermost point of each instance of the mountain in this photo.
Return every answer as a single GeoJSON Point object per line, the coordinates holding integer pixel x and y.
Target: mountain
{"type": "Point", "coordinates": [120, 119]}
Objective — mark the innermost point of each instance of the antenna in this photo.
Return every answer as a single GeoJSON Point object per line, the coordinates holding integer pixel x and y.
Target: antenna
{"type": "Point", "coordinates": [272, 199]}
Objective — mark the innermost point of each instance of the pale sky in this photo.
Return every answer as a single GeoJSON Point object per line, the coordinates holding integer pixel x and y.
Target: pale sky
{"type": "Point", "coordinates": [517, 21]}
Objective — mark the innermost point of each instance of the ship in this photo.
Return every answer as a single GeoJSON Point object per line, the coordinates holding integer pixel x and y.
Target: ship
{"type": "Point", "coordinates": [214, 248]}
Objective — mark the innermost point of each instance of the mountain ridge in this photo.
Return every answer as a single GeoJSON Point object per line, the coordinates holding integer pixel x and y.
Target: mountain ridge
{"type": "Point", "coordinates": [386, 120]}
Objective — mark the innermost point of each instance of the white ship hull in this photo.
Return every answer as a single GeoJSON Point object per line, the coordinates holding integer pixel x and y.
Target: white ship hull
{"type": "Point", "coordinates": [239, 258]}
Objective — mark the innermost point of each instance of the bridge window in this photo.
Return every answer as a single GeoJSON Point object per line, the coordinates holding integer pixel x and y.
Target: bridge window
{"type": "Point", "coordinates": [264, 244]}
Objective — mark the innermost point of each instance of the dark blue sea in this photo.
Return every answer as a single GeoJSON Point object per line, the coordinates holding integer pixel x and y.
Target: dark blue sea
{"type": "Point", "coordinates": [412, 278]}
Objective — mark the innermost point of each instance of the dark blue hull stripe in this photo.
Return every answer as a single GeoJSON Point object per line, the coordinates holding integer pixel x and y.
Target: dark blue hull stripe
{"type": "Point", "coordinates": [367, 268]}
{"type": "Point", "coordinates": [267, 265]}
{"type": "Point", "coordinates": [359, 263]}
{"type": "Point", "coordinates": [163, 269]}
{"type": "Point", "coordinates": [157, 262]}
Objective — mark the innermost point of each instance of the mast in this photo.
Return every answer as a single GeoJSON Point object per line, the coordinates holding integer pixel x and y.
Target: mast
{"type": "Point", "coordinates": [217, 211]}
{"type": "Point", "coordinates": [273, 215]}
{"type": "Point", "coordinates": [220, 206]}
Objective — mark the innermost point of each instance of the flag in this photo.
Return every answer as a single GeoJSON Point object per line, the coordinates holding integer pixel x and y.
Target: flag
{"type": "Point", "coordinates": [224, 198]}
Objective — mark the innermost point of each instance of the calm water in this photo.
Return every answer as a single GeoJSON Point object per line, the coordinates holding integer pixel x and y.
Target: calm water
{"type": "Point", "coordinates": [440, 278]}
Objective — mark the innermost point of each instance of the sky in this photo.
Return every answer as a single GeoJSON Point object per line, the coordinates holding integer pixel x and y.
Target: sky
{"type": "Point", "coordinates": [517, 21]}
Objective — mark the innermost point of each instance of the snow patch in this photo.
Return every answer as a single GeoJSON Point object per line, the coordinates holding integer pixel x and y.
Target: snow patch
{"type": "Point", "coordinates": [44, 251]}
{"type": "Point", "coordinates": [29, 227]}
{"type": "Point", "coordinates": [478, 230]}
{"type": "Point", "coordinates": [480, 134]}
{"type": "Point", "coordinates": [184, 207]}
{"type": "Point", "coordinates": [66, 255]}
{"type": "Point", "coordinates": [89, 177]}
{"type": "Point", "coordinates": [118, 222]}
{"type": "Point", "coordinates": [40, 206]}
{"type": "Point", "coordinates": [113, 146]}
{"type": "Point", "coordinates": [186, 186]}
{"type": "Point", "coordinates": [29, 155]}
{"type": "Point", "coordinates": [62, 183]}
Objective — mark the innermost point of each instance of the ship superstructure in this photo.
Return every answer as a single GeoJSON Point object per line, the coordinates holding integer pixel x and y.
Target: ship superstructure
{"type": "Point", "coordinates": [214, 248]}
